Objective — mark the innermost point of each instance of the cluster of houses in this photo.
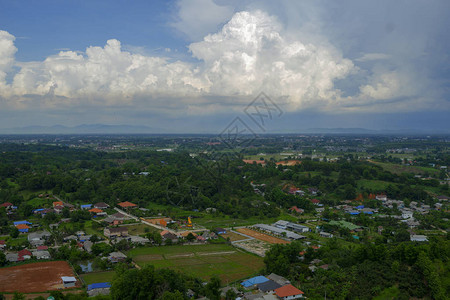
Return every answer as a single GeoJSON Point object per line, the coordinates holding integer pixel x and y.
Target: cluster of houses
{"type": "Point", "coordinates": [271, 287]}
{"type": "Point", "coordinates": [40, 252]}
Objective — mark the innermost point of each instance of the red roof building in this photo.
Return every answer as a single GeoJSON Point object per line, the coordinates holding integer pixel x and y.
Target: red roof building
{"type": "Point", "coordinates": [96, 210]}
{"type": "Point", "coordinates": [127, 204]}
{"type": "Point", "coordinates": [23, 253]}
{"type": "Point", "coordinates": [315, 201]}
{"type": "Point", "coordinates": [22, 226]}
{"type": "Point", "coordinates": [296, 209]}
{"type": "Point", "coordinates": [58, 203]}
{"type": "Point", "coordinates": [42, 247]}
{"type": "Point", "coordinates": [6, 204]}
{"type": "Point", "coordinates": [289, 292]}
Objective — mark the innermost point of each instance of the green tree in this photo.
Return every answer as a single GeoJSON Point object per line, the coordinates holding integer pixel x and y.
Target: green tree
{"type": "Point", "coordinates": [212, 289]}
{"type": "Point", "coordinates": [18, 296]}
{"type": "Point", "coordinates": [2, 259]}
{"type": "Point", "coordinates": [14, 232]}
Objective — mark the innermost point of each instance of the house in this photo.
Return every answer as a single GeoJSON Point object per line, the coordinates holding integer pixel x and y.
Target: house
{"type": "Point", "coordinates": [115, 231]}
{"type": "Point", "coordinates": [2, 244]}
{"type": "Point", "coordinates": [297, 227]}
{"type": "Point", "coordinates": [254, 281]}
{"type": "Point", "coordinates": [167, 235]}
{"type": "Point", "coordinates": [281, 224]}
{"type": "Point", "coordinates": [88, 246]}
{"type": "Point", "coordinates": [42, 254]}
{"type": "Point", "coordinates": [407, 214]}
{"type": "Point", "coordinates": [127, 205]}
{"type": "Point", "coordinates": [41, 248]}
{"type": "Point", "coordinates": [84, 238]}
{"type": "Point", "coordinates": [220, 231]}
{"type": "Point", "coordinates": [7, 205]}
{"type": "Point", "coordinates": [58, 203]}
{"type": "Point", "coordinates": [23, 228]}
{"type": "Point", "coordinates": [313, 191]}
{"type": "Point", "coordinates": [86, 206]}
{"type": "Point", "coordinates": [296, 210]}
{"type": "Point", "coordinates": [381, 197]}
{"type": "Point", "coordinates": [38, 238]}
{"type": "Point", "coordinates": [58, 209]}
{"type": "Point", "coordinates": [12, 257]}
{"type": "Point", "coordinates": [418, 238]}
{"type": "Point", "coordinates": [115, 257]}
{"type": "Point", "coordinates": [101, 205]}
{"type": "Point", "coordinates": [97, 211]}
{"type": "Point", "coordinates": [22, 222]}
{"type": "Point", "coordinates": [325, 234]}
{"type": "Point", "coordinates": [138, 240]}
{"type": "Point", "coordinates": [268, 286]}
{"type": "Point", "coordinates": [278, 279]}
{"type": "Point", "coordinates": [24, 254]}
{"type": "Point", "coordinates": [209, 235]}
{"type": "Point", "coordinates": [315, 201]}
{"type": "Point", "coordinates": [288, 292]}
{"type": "Point", "coordinates": [68, 281]}
{"type": "Point", "coordinates": [70, 238]}
{"type": "Point", "coordinates": [101, 288]}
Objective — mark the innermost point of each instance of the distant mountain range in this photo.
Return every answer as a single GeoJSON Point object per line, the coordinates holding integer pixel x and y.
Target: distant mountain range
{"type": "Point", "coordinates": [142, 129]}
{"type": "Point", "coordinates": [82, 129]}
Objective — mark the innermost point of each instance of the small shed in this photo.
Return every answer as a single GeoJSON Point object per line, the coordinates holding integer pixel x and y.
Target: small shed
{"type": "Point", "coordinates": [68, 281]}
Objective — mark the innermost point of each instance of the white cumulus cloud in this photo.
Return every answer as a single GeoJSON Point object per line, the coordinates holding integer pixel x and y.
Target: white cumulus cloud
{"type": "Point", "coordinates": [251, 53]}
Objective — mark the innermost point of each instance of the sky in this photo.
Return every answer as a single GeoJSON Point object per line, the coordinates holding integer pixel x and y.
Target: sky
{"type": "Point", "coordinates": [194, 66]}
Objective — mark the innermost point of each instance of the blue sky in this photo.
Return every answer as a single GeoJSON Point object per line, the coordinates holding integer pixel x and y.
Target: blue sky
{"type": "Point", "coordinates": [193, 65]}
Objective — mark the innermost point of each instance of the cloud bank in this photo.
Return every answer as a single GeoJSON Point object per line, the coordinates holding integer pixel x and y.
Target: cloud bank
{"type": "Point", "coordinates": [252, 52]}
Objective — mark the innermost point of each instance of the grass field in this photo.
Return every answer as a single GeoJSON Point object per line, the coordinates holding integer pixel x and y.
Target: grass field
{"type": "Point", "coordinates": [233, 236]}
{"type": "Point", "coordinates": [202, 261]}
{"type": "Point", "coordinates": [141, 229]}
{"type": "Point", "coordinates": [398, 169]}
{"type": "Point", "coordinates": [97, 277]}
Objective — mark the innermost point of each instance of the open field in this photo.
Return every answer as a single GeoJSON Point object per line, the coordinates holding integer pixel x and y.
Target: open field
{"type": "Point", "coordinates": [233, 236]}
{"type": "Point", "coordinates": [35, 277]}
{"type": "Point", "coordinates": [141, 229]}
{"type": "Point", "coordinates": [201, 261]}
{"type": "Point", "coordinates": [261, 236]}
{"type": "Point", "coordinates": [97, 277]}
{"type": "Point", "coordinates": [398, 169]}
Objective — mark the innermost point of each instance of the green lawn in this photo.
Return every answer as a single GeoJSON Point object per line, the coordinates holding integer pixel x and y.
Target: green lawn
{"type": "Point", "coordinates": [141, 229]}
{"type": "Point", "coordinates": [202, 261]}
{"type": "Point", "coordinates": [89, 230]}
{"type": "Point", "coordinates": [98, 277]}
{"type": "Point", "coordinates": [398, 169]}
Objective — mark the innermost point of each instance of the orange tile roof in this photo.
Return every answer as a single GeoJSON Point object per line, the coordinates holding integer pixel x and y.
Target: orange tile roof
{"type": "Point", "coordinates": [22, 226]}
{"type": "Point", "coordinates": [58, 203]}
{"type": "Point", "coordinates": [287, 290]}
{"type": "Point", "coordinates": [127, 204]}
{"type": "Point", "coordinates": [96, 210]}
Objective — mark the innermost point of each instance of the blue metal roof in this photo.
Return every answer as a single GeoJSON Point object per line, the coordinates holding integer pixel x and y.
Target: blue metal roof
{"type": "Point", "coordinates": [86, 205]}
{"type": "Point", "coordinates": [254, 280]}
{"type": "Point", "coordinates": [21, 222]}
{"type": "Point", "coordinates": [100, 285]}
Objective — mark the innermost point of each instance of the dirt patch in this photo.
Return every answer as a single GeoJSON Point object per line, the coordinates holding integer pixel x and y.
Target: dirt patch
{"type": "Point", "coordinates": [254, 246]}
{"type": "Point", "coordinates": [233, 236]}
{"type": "Point", "coordinates": [261, 236]}
{"type": "Point", "coordinates": [215, 253]}
{"type": "Point", "coordinates": [35, 277]}
{"type": "Point", "coordinates": [170, 256]}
